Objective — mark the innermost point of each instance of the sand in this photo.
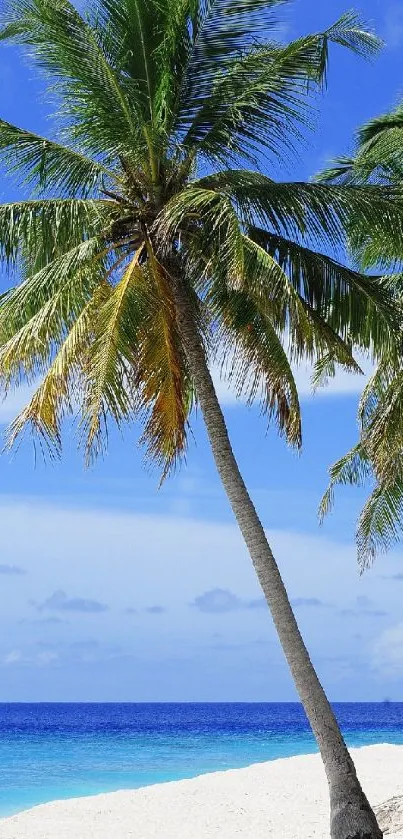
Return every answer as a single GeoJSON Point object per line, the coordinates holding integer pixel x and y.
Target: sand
{"type": "Point", "coordinates": [286, 799]}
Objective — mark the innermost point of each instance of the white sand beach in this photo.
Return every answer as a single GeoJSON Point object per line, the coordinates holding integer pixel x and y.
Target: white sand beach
{"type": "Point", "coordinates": [286, 799]}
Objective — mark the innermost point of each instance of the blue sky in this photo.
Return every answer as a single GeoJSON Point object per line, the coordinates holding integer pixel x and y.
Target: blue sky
{"type": "Point", "coordinates": [113, 590]}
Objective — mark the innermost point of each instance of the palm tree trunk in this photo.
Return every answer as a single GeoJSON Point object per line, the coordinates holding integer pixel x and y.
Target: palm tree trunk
{"type": "Point", "coordinates": [351, 816]}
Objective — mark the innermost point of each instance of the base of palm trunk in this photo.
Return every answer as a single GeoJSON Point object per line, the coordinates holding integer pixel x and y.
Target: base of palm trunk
{"type": "Point", "coordinates": [360, 835]}
{"type": "Point", "coordinates": [354, 819]}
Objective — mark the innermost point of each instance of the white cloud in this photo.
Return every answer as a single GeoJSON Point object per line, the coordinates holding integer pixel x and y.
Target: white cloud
{"type": "Point", "coordinates": [41, 659]}
{"type": "Point", "coordinates": [388, 650]}
{"type": "Point", "coordinates": [46, 657]}
{"type": "Point", "coordinates": [132, 560]}
{"type": "Point", "coordinates": [12, 657]}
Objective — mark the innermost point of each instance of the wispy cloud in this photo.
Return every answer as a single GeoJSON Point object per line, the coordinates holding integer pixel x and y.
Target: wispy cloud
{"type": "Point", "coordinates": [12, 570]}
{"type": "Point", "coordinates": [52, 620]}
{"type": "Point", "coordinates": [309, 602]}
{"type": "Point", "coordinates": [46, 657]}
{"type": "Point", "coordinates": [363, 606]}
{"type": "Point", "coordinates": [12, 657]}
{"type": "Point", "coordinates": [257, 603]}
{"type": "Point", "coordinates": [155, 610]}
{"type": "Point", "coordinates": [105, 538]}
{"type": "Point", "coordinates": [60, 602]}
{"type": "Point", "coordinates": [220, 600]}
{"type": "Point", "coordinates": [388, 650]}
{"type": "Point", "coordinates": [38, 659]}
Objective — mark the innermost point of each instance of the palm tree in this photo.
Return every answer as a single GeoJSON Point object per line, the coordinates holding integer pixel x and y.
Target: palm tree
{"type": "Point", "coordinates": [378, 456]}
{"type": "Point", "coordinates": [148, 247]}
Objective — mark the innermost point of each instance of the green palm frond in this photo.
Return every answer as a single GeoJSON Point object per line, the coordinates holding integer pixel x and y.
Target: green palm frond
{"type": "Point", "coordinates": [42, 163]}
{"type": "Point", "coordinates": [50, 226]}
{"type": "Point", "coordinates": [378, 161]}
{"type": "Point", "coordinates": [306, 333]}
{"type": "Point", "coordinates": [253, 360]}
{"type": "Point", "coordinates": [256, 102]}
{"type": "Point", "coordinates": [378, 459]}
{"type": "Point", "coordinates": [20, 303]}
{"type": "Point", "coordinates": [113, 353]}
{"type": "Point", "coordinates": [379, 153]}
{"type": "Point", "coordinates": [148, 41]}
{"type": "Point", "coordinates": [99, 100]}
{"type": "Point", "coordinates": [220, 28]}
{"type": "Point", "coordinates": [358, 307]}
{"type": "Point", "coordinates": [381, 418]}
{"type": "Point", "coordinates": [218, 31]}
{"type": "Point", "coordinates": [380, 522]}
{"type": "Point", "coordinates": [299, 210]}
{"type": "Point", "coordinates": [352, 469]}
{"type": "Point", "coordinates": [196, 207]}
{"type": "Point", "coordinates": [236, 106]}
{"type": "Point", "coordinates": [379, 455]}
{"type": "Point", "coordinates": [262, 96]}
{"type": "Point", "coordinates": [58, 395]}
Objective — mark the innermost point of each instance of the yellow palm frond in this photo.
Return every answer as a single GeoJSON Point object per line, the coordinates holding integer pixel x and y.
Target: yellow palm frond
{"type": "Point", "coordinates": [163, 379]}
{"type": "Point", "coordinates": [55, 397]}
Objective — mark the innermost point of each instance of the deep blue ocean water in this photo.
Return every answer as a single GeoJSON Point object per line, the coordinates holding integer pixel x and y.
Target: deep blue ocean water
{"type": "Point", "coordinates": [52, 751]}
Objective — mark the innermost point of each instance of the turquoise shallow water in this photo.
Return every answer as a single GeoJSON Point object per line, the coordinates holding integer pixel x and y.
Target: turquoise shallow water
{"type": "Point", "coordinates": [49, 752]}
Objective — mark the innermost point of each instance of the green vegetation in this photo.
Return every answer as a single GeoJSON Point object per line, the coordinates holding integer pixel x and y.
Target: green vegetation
{"type": "Point", "coordinates": [378, 456]}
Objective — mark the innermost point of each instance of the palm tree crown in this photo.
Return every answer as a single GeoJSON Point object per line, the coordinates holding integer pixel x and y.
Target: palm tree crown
{"type": "Point", "coordinates": [164, 107]}
{"type": "Point", "coordinates": [378, 456]}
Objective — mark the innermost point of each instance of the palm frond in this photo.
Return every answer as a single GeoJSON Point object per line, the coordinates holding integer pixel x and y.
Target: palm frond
{"type": "Point", "coordinates": [378, 160]}
{"type": "Point", "coordinates": [358, 307]}
{"type": "Point", "coordinates": [145, 39]}
{"type": "Point", "coordinates": [254, 103]}
{"type": "Point", "coordinates": [381, 419]}
{"type": "Point", "coordinates": [252, 358]}
{"type": "Point", "coordinates": [298, 210]}
{"type": "Point", "coordinates": [48, 227]}
{"type": "Point", "coordinates": [42, 163]}
{"type": "Point", "coordinates": [242, 103]}
{"type": "Point", "coordinates": [378, 458]}
{"type": "Point", "coordinates": [113, 354]}
{"type": "Point", "coordinates": [163, 379]}
{"type": "Point", "coordinates": [353, 468]}
{"type": "Point", "coordinates": [219, 30]}
{"type": "Point", "coordinates": [19, 304]}
{"type": "Point", "coordinates": [36, 316]}
{"type": "Point", "coordinates": [306, 332]}
{"type": "Point", "coordinates": [99, 100]}
{"type": "Point", "coordinates": [196, 207]}
{"type": "Point", "coordinates": [380, 522]}
{"type": "Point", "coordinates": [58, 395]}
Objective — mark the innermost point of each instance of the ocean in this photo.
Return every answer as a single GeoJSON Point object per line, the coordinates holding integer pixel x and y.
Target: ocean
{"type": "Point", "coordinates": [53, 751]}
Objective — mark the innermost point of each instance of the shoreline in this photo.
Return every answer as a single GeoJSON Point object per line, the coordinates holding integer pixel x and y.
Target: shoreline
{"type": "Point", "coordinates": [284, 797]}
